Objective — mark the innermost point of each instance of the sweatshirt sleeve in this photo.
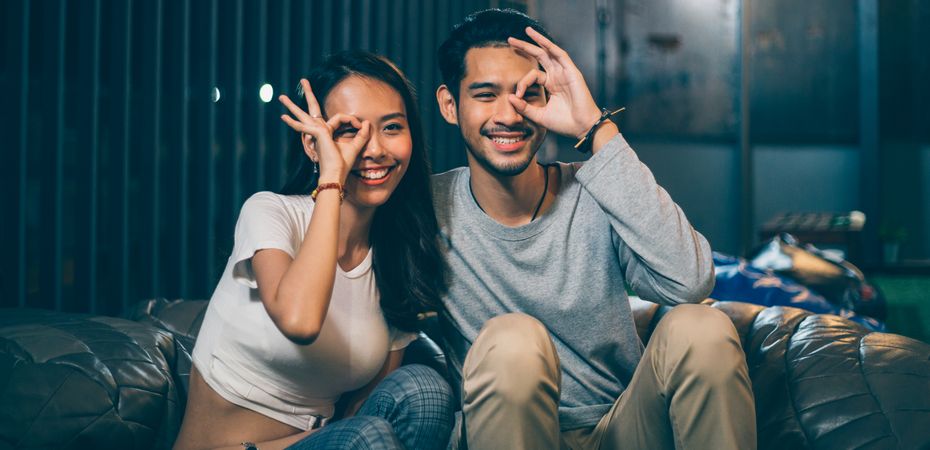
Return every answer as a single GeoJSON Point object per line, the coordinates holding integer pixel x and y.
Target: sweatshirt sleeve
{"type": "Point", "coordinates": [664, 258]}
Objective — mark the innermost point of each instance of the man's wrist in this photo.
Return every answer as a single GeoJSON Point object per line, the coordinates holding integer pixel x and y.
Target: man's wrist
{"type": "Point", "coordinates": [590, 122]}
{"type": "Point", "coordinates": [604, 133]}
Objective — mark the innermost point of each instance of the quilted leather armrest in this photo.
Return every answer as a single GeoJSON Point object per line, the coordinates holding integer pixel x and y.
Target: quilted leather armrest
{"type": "Point", "coordinates": [76, 381]}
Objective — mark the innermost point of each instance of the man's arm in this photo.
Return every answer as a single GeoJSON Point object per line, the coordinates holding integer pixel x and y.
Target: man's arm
{"type": "Point", "coordinates": [666, 260]}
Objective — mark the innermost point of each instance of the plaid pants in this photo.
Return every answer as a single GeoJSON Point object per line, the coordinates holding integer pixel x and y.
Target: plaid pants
{"type": "Point", "coordinates": [411, 408]}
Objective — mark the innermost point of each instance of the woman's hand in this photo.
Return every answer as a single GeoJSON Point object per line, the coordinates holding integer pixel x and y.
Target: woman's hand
{"type": "Point", "coordinates": [334, 143]}
{"type": "Point", "coordinates": [570, 109]}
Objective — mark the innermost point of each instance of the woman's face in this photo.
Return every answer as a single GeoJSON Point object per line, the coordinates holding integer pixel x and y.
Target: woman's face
{"type": "Point", "coordinates": [382, 163]}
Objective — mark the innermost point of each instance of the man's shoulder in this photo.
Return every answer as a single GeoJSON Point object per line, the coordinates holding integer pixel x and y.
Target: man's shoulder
{"type": "Point", "coordinates": [443, 183]}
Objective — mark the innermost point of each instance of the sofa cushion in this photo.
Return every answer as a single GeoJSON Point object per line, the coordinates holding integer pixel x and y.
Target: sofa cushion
{"type": "Point", "coordinates": [77, 381]}
{"type": "Point", "coordinates": [821, 381]}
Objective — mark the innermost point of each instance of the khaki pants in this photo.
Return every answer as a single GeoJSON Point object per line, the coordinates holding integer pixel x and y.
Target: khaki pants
{"type": "Point", "coordinates": [691, 390]}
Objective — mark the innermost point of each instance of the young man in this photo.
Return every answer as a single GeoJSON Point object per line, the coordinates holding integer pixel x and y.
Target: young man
{"type": "Point", "coordinates": [538, 325]}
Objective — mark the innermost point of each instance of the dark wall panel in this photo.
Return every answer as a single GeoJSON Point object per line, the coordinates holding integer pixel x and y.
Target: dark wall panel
{"type": "Point", "coordinates": [136, 131]}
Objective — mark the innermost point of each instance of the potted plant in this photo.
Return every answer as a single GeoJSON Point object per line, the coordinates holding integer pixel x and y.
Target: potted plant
{"type": "Point", "coordinates": [891, 236]}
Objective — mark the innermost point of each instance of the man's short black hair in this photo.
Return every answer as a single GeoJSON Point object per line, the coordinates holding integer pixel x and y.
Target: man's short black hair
{"type": "Point", "coordinates": [488, 28]}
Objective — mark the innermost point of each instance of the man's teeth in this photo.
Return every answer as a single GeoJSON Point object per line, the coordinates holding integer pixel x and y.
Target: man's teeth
{"type": "Point", "coordinates": [373, 174]}
{"type": "Point", "coordinates": [505, 140]}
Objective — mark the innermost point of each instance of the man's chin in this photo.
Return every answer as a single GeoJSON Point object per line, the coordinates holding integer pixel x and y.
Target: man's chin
{"type": "Point", "coordinates": [506, 167]}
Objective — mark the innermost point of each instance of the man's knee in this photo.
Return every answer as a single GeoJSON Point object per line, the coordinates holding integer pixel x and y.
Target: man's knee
{"type": "Point", "coordinates": [516, 356]}
{"type": "Point", "coordinates": [703, 337]}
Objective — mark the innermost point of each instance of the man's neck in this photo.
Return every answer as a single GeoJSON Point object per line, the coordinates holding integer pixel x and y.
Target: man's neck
{"type": "Point", "coordinates": [509, 200]}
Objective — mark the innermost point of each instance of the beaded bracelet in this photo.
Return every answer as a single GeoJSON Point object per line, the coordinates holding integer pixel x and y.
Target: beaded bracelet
{"type": "Point", "coordinates": [325, 186]}
{"type": "Point", "coordinates": [605, 114]}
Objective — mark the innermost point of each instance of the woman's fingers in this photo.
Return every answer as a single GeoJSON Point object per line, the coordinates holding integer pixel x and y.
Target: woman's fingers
{"type": "Point", "coordinates": [362, 136]}
{"type": "Point", "coordinates": [315, 130]}
{"type": "Point", "coordinates": [294, 109]}
{"type": "Point", "coordinates": [313, 108]}
{"type": "Point", "coordinates": [339, 120]}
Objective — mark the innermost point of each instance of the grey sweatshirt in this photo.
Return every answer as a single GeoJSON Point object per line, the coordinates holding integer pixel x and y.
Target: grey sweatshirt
{"type": "Point", "coordinates": [610, 223]}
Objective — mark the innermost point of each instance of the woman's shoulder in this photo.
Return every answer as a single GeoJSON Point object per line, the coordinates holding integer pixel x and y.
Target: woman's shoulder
{"type": "Point", "coordinates": [264, 200]}
{"type": "Point", "coordinates": [268, 206]}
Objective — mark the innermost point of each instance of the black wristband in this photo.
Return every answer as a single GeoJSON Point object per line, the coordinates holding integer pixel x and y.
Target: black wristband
{"type": "Point", "coordinates": [585, 143]}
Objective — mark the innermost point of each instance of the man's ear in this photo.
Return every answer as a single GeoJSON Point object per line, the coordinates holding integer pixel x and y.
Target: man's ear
{"type": "Point", "coordinates": [447, 106]}
{"type": "Point", "coordinates": [309, 147]}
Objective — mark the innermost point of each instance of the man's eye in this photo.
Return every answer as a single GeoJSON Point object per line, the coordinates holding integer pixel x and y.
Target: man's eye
{"type": "Point", "coordinates": [484, 95]}
{"type": "Point", "coordinates": [531, 94]}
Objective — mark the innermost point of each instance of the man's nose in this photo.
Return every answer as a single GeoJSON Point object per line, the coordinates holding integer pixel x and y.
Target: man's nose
{"type": "Point", "coordinates": [506, 114]}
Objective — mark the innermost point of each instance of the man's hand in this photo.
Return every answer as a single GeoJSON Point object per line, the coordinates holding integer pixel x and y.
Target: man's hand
{"type": "Point", "coordinates": [571, 110]}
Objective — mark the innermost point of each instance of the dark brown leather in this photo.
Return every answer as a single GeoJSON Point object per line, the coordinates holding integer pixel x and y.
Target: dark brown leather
{"type": "Point", "coordinates": [77, 381]}
{"type": "Point", "coordinates": [820, 382]}
{"type": "Point", "coordinates": [823, 382]}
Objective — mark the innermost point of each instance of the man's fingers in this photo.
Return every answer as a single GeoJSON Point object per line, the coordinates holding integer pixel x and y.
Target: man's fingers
{"type": "Point", "coordinates": [545, 43]}
{"type": "Point", "coordinates": [533, 77]}
{"type": "Point", "coordinates": [313, 108]}
{"type": "Point", "coordinates": [531, 112]}
{"type": "Point", "coordinates": [544, 58]}
{"type": "Point", "coordinates": [526, 47]}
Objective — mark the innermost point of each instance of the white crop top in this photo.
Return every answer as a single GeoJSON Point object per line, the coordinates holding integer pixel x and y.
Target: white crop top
{"type": "Point", "coordinates": [352, 345]}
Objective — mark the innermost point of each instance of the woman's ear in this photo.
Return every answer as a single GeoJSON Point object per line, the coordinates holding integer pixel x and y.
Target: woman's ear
{"type": "Point", "coordinates": [309, 147]}
{"type": "Point", "coordinates": [447, 105]}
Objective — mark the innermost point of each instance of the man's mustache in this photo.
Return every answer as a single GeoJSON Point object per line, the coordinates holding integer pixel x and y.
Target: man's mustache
{"type": "Point", "coordinates": [500, 129]}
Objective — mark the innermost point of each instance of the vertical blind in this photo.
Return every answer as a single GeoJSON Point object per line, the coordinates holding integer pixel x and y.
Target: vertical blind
{"type": "Point", "coordinates": [132, 131]}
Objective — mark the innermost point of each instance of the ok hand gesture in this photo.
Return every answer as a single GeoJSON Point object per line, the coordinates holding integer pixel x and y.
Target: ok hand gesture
{"type": "Point", "coordinates": [571, 109]}
{"type": "Point", "coordinates": [335, 156]}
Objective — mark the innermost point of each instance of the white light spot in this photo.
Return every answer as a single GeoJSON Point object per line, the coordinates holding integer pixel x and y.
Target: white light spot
{"type": "Point", "coordinates": [216, 94]}
{"type": "Point", "coordinates": [266, 92]}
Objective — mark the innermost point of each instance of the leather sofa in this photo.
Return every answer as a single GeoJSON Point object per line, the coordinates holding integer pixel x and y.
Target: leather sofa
{"type": "Point", "coordinates": [79, 381]}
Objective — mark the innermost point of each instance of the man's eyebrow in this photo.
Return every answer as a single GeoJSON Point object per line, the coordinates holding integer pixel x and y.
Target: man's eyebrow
{"type": "Point", "coordinates": [482, 85]}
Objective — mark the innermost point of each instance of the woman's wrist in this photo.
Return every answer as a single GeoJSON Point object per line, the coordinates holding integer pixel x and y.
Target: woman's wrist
{"type": "Point", "coordinates": [331, 177]}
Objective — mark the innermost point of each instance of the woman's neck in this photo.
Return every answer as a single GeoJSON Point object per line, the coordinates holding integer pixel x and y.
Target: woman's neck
{"type": "Point", "coordinates": [354, 228]}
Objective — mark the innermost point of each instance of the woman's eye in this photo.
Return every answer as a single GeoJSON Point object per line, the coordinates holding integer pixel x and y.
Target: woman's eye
{"type": "Point", "coordinates": [393, 127]}
{"type": "Point", "coordinates": [346, 132]}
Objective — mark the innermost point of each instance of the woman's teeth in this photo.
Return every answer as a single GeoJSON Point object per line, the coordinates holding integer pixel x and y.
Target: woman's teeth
{"type": "Point", "coordinates": [374, 174]}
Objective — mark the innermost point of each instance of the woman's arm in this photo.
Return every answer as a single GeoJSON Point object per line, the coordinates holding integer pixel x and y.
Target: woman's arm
{"type": "Point", "coordinates": [351, 401]}
{"type": "Point", "coordinates": [296, 292]}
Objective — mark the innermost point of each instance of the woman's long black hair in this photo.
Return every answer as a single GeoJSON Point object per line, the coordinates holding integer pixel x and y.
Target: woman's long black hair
{"type": "Point", "coordinates": [404, 234]}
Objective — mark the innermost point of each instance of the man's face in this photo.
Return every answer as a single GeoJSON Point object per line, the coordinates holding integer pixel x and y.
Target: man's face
{"type": "Point", "coordinates": [498, 138]}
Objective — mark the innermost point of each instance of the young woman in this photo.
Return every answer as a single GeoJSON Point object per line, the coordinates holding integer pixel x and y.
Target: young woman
{"type": "Point", "coordinates": [304, 335]}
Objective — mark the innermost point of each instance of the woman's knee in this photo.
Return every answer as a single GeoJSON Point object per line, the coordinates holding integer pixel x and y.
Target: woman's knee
{"type": "Point", "coordinates": [416, 385]}
{"type": "Point", "coordinates": [368, 432]}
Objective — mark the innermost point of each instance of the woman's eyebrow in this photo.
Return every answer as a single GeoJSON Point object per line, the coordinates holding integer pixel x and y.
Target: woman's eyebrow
{"type": "Point", "coordinates": [394, 115]}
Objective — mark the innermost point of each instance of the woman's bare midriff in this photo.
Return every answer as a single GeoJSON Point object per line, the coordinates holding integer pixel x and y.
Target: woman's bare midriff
{"type": "Point", "coordinates": [212, 422]}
